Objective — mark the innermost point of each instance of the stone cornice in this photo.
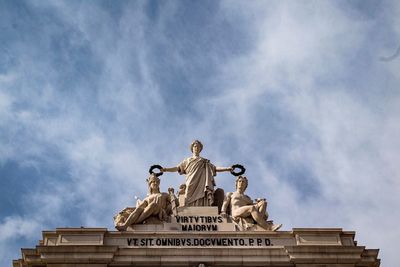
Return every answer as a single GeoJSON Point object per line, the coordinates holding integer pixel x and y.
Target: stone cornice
{"type": "Point", "coordinates": [299, 247]}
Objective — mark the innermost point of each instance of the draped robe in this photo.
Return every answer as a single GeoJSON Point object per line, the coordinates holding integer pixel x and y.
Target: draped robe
{"type": "Point", "coordinates": [199, 174]}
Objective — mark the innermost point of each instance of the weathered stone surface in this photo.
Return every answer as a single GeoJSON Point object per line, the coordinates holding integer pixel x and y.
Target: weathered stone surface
{"type": "Point", "coordinates": [198, 211]}
{"type": "Point", "coordinates": [97, 247]}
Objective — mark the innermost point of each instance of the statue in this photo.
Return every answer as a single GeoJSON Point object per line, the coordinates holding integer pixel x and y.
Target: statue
{"type": "Point", "coordinates": [244, 212]}
{"type": "Point", "coordinates": [156, 207]}
{"type": "Point", "coordinates": [181, 195]}
{"type": "Point", "coordinates": [200, 174]}
{"type": "Point", "coordinates": [198, 190]}
{"type": "Point", "coordinates": [121, 217]}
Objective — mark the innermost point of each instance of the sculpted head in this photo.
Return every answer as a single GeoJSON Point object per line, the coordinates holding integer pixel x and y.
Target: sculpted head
{"type": "Point", "coordinates": [154, 184]}
{"type": "Point", "coordinates": [196, 144]}
{"type": "Point", "coordinates": [241, 182]}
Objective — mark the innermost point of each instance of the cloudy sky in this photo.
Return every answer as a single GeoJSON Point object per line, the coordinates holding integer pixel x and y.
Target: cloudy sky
{"type": "Point", "coordinates": [305, 94]}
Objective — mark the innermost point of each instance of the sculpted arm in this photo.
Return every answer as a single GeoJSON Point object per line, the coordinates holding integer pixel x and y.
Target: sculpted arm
{"type": "Point", "coordinates": [180, 168]}
{"type": "Point", "coordinates": [223, 169]}
{"type": "Point", "coordinates": [172, 169]}
{"type": "Point", "coordinates": [226, 203]}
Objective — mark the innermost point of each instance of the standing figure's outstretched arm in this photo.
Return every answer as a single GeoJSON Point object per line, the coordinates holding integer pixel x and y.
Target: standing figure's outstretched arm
{"type": "Point", "coordinates": [172, 169]}
{"type": "Point", "coordinates": [223, 169]}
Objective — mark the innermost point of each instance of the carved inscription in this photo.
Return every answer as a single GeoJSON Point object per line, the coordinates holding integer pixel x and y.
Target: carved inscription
{"type": "Point", "coordinates": [202, 242]}
{"type": "Point", "coordinates": [199, 223]}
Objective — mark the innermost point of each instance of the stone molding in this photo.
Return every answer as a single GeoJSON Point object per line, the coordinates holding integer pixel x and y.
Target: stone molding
{"type": "Point", "coordinates": [95, 247]}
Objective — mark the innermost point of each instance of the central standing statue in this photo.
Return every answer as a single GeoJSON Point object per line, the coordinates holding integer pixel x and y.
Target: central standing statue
{"type": "Point", "coordinates": [199, 174]}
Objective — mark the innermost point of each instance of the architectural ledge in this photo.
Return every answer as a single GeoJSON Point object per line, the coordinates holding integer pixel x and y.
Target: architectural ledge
{"type": "Point", "coordinates": [67, 247]}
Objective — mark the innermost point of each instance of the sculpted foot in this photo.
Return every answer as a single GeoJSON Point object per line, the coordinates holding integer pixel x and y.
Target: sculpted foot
{"type": "Point", "coordinates": [120, 228]}
{"type": "Point", "coordinates": [275, 227]}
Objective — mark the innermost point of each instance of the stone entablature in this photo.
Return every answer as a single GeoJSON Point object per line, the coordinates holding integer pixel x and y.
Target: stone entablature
{"type": "Point", "coordinates": [97, 247]}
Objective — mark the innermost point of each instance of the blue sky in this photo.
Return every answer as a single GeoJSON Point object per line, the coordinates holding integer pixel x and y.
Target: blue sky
{"type": "Point", "coordinates": [93, 93]}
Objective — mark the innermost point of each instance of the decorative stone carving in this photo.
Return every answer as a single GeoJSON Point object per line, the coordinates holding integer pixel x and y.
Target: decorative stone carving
{"type": "Point", "coordinates": [174, 201]}
{"type": "Point", "coordinates": [199, 174]}
{"type": "Point", "coordinates": [121, 217]}
{"type": "Point", "coordinates": [181, 195]}
{"type": "Point", "coordinates": [192, 204]}
{"type": "Point", "coordinates": [244, 212]}
{"type": "Point", "coordinates": [155, 208]}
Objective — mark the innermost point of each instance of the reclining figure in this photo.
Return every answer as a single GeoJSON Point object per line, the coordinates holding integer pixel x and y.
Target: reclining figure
{"type": "Point", "coordinates": [244, 212]}
{"type": "Point", "coordinates": [156, 207]}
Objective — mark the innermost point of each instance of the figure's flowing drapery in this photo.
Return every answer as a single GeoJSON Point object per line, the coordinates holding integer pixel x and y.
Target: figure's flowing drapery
{"type": "Point", "coordinates": [199, 174]}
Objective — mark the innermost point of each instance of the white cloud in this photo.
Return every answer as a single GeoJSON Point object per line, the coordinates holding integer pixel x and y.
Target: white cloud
{"type": "Point", "coordinates": [288, 98]}
{"type": "Point", "coordinates": [15, 226]}
{"type": "Point", "coordinates": [355, 158]}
